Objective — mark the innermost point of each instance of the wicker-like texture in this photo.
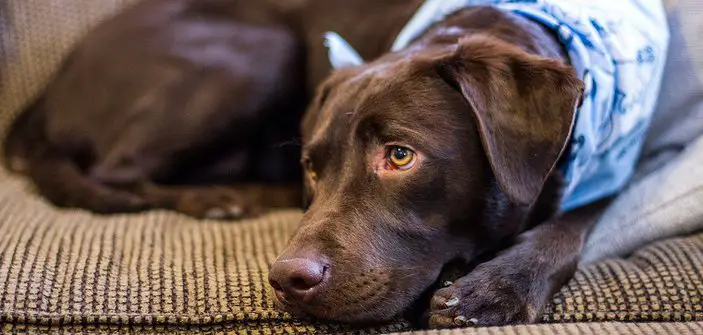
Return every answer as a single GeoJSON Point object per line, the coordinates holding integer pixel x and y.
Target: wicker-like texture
{"type": "Point", "coordinates": [662, 282]}
{"type": "Point", "coordinates": [610, 328]}
{"type": "Point", "coordinates": [161, 272]}
{"type": "Point", "coordinates": [582, 328]}
{"type": "Point", "coordinates": [159, 269]}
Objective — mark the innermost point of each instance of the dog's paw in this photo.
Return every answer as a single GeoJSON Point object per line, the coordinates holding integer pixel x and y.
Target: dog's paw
{"type": "Point", "coordinates": [217, 203]}
{"type": "Point", "coordinates": [487, 296]}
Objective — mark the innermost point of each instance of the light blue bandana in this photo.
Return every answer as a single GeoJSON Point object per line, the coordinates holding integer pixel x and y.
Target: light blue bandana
{"type": "Point", "coordinates": [618, 49]}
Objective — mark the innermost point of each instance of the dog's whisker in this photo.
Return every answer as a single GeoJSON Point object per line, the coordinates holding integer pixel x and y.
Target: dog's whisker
{"type": "Point", "coordinates": [294, 142]}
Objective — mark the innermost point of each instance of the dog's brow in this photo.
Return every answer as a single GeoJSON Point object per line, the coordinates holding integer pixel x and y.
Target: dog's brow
{"type": "Point", "coordinates": [320, 130]}
{"type": "Point", "coordinates": [314, 150]}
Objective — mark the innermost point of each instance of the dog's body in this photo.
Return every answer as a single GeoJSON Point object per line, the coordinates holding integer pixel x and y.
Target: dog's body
{"type": "Point", "coordinates": [189, 94]}
{"type": "Point", "coordinates": [241, 65]}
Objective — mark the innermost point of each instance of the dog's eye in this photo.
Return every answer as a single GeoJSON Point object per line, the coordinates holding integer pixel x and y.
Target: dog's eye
{"type": "Point", "coordinates": [400, 157]}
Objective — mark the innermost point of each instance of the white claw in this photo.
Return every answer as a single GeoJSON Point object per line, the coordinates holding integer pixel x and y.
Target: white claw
{"type": "Point", "coordinates": [447, 283]}
{"type": "Point", "coordinates": [236, 211]}
{"type": "Point", "coordinates": [452, 302]}
{"type": "Point", "coordinates": [215, 214]}
{"type": "Point", "coordinates": [460, 320]}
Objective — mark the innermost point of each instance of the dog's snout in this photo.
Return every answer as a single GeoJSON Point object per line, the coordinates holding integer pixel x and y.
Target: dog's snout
{"type": "Point", "coordinates": [297, 278]}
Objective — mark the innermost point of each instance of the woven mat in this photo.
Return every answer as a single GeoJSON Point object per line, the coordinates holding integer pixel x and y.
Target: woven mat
{"type": "Point", "coordinates": [35, 35]}
{"type": "Point", "coordinates": [582, 328]}
{"type": "Point", "coordinates": [163, 271]}
{"type": "Point", "coordinates": [154, 269]}
{"type": "Point", "coordinates": [615, 328]}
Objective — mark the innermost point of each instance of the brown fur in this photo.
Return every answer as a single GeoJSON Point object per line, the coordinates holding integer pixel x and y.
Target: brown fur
{"type": "Point", "coordinates": [171, 101]}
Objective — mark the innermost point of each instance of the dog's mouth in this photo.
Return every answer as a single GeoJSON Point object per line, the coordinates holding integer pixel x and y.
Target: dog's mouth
{"type": "Point", "coordinates": [361, 300]}
{"type": "Point", "coordinates": [371, 297]}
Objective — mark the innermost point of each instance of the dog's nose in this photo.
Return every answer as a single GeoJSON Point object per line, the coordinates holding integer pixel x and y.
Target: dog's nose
{"type": "Point", "coordinates": [297, 278]}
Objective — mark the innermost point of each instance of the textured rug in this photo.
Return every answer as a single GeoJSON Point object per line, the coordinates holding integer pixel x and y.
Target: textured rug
{"type": "Point", "coordinates": [161, 271]}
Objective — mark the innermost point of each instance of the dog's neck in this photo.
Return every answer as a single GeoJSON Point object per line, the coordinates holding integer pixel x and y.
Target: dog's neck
{"type": "Point", "coordinates": [509, 27]}
{"type": "Point", "coordinates": [528, 35]}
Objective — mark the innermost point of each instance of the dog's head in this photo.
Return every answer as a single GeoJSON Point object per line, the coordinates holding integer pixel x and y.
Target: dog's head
{"type": "Point", "coordinates": [413, 161]}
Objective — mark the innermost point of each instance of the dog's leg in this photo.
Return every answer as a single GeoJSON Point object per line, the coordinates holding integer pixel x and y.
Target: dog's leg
{"type": "Point", "coordinates": [209, 202]}
{"type": "Point", "coordinates": [514, 287]}
{"type": "Point", "coordinates": [220, 202]}
{"type": "Point", "coordinates": [182, 102]}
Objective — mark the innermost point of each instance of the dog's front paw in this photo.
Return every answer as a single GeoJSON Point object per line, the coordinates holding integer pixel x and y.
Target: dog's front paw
{"type": "Point", "coordinates": [488, 296]}
{"type": "Point", "coordinates": [217, 203]}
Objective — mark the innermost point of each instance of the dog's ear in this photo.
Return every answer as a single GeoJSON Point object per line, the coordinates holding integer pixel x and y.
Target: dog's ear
{"type": "Point", "coordinates": [524, 107]}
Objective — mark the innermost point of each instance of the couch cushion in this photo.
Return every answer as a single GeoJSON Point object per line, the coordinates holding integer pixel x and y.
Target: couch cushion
{"type": "Point", "coordinates": [600, 328]}
{"type": "Point", "coordinates": [692, 10]}
{"type": "Point", "coordinates": [582, 328]}
{"type": "Point", "coordinates": [161, 270]}
{"type": "Point", "coordinates": [646, 211]}
{"type": "Point", "coordinates": [677, 120]}
{"type": "Point", "coordinates": [35, 36]}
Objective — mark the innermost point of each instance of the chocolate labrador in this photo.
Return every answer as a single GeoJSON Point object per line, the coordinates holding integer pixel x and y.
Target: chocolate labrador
{"type": "Point", "coordinates": [447, 151]}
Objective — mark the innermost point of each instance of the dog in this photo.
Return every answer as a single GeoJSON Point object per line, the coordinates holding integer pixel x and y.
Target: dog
{"type": "Point", "coordinates": [466, 139]}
